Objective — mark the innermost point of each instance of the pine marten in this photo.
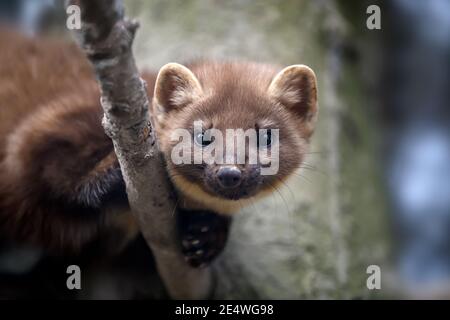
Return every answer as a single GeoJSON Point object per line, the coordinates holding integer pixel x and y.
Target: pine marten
{"type": "Point", "coordinates": [61, 186]}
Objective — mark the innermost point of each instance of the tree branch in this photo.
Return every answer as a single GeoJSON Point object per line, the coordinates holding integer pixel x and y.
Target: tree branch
{"type": "Point", "coordinates": [107, 37]}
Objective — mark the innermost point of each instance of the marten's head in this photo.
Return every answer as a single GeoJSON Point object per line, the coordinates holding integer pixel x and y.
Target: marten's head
{"type": "Point", "coordinates": [233, 131]}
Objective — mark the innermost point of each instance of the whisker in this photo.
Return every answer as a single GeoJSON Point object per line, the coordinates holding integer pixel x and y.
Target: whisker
{"type": "Point", "coordinates": [289, 212]}
{"type": "Point", "coordinates": [313, 170]}
{"type": "Point", "coordinates": [316, 152]}
{"type": "Point", "coordinates": [299, 175]}
{"type": "Point", "coordinates": [286, 185]}
{"type": "Point", "coordinates": [309, 165]}
{"type": "Point", "coordinates": [278, 191]}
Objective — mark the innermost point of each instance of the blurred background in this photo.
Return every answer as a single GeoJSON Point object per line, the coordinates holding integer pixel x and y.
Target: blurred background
{"type": "Point", "coordinates": [376, 190]}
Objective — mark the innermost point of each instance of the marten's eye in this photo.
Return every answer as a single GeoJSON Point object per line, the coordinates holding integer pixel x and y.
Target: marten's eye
{"type": "Point", "coordinates": [264, 139]}
{"type": "Point", "coordinates": [201, 140]}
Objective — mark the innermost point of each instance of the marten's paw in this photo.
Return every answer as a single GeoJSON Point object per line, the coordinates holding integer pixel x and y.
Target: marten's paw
{"type": "Point", "coordinates": [203, 236]}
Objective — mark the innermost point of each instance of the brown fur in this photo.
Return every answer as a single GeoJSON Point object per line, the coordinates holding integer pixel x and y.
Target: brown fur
{"type": "Point", "coordinates": [52, 144]}
{"type": "Point", "coordinates": [236, 96]}
{"type": "Point", "coordinates": [60, 178]}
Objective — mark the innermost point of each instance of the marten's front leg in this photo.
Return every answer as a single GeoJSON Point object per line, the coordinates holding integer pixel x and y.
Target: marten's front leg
{"type": "Point", "coordinates": [203, 235]}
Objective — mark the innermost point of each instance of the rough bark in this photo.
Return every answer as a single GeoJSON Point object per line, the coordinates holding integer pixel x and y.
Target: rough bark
{"type": "Point", "coordinates": [106, 37]}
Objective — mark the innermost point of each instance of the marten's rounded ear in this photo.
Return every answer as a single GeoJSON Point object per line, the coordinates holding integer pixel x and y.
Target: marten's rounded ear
{"type": "Point", "coordinates": [295, 87]}
{"type": "Point", "coordinates": [176, 86]}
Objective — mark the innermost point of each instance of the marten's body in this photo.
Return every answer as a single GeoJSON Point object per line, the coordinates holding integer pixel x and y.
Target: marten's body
{"type": "Point", "coordinates": [52, 147]}
{"type": "Point", "coordinates": [61, 185]}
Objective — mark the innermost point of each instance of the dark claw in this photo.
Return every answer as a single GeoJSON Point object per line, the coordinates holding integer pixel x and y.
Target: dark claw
{"type": "Point", "coordinates": [203, 236]}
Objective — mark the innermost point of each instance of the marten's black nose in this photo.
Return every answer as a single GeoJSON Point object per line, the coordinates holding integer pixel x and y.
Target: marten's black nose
{"type": "Point", "coordinates": [229, 177]}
